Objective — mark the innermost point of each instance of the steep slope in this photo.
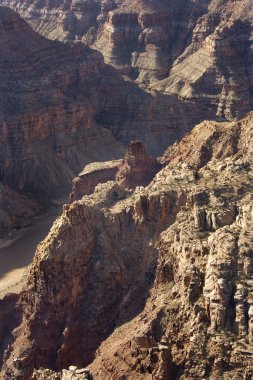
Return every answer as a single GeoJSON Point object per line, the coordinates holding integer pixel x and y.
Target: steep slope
{"type": "Point", "coordinates": [16, 210]}
{"type": "Point", "coordinates": [60, 19]}
{"type": "Point", "coordinates": [162, 274]}
{"type": "Point", "coordinates": [47, 104]}
{"type": "Point", "coordinates": [216, 74]}
{"type": "Point", "coordinates": [144, 38]}
{"type": "Point", "coordinates": [198, 50]}
{"type": "Point", "coordinates": [62, 107]}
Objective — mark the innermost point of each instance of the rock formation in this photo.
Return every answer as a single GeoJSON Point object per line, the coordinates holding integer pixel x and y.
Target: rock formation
{"type": "Point", "coordinates": [92, 175]}
{"type": "Point", "coordinates": [216, 73]}
{"type": "Point", "coordinates": [137, 167]}
{"type": "Point", "coordinates": [58, 113]}
{"type": "Point", "coordinates": [151, 283]}
{"type": "Point", "coordinates": [73, 373]}
{"type": "Point", "coordinates": [148, 271]}
{"type": "Point", "coordinates": [147, 41]}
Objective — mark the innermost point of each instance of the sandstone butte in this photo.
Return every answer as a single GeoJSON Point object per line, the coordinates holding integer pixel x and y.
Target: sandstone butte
{"type": "Point", "coordinates": [148, 271]}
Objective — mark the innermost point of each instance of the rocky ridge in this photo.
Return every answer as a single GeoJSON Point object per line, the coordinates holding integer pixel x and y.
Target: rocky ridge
{"type": "Point", "coordinates": [137, 167]}
{"type": "Point", "coordinates": [187, 314]}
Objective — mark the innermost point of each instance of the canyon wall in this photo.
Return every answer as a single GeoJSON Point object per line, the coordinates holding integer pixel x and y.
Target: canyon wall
{"type": "Point", "coordinates": [61, 107]}
{"type": "Point", "coordinates": [200, 50]}
{"type": "Point", "coordinates": [153, 282]}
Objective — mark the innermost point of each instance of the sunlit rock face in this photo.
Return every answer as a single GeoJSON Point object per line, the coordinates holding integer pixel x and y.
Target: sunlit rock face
{"type": "Point", "coordinates": [187, 314]}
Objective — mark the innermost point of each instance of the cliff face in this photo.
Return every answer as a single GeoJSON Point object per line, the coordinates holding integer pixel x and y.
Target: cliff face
{"type": "Point", "coordinates": [147, 41]}
{"type": "Point", "coordinates": [217, 72]}
{"type": "Point", "coordinates": [47, 106]}
{"type": "Point", "coordinates": [161, 275]}
{"type": "Point", "coordinates": [136, 282]}
{"type": "Point", "coordinates": [92, 175]}
{"type": "Point", "coordinates": [136, 169]}
{"type": "Point", "coordinates": [60, 19]}
{"type": "Point", "coordinates": [61, 107]}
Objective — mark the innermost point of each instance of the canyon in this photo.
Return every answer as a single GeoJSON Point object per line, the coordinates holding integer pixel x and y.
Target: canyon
{"type": "Point", "coordinates": [198, 50]}
{"type": "Point", "coordinates": [62, 107]}
{"type": "Point", "coordinates": [140, 282]}
{"type": "Point", "coordinates": [134, 119]}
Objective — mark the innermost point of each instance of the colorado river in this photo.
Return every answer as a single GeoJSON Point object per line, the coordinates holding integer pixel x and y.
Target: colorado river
{"type": "Point", "coordinates": [15, 258]}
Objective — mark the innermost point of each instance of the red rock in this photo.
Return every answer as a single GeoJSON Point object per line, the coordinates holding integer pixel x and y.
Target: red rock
{"type": "Point", "coordinates": [139, 283]}
{"type": "Point", "coordinates": [137, 168]}
{"type": "Point", "coordinates": [91, 176]}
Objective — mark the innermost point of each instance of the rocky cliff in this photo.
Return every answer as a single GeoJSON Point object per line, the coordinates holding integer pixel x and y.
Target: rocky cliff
{"type": "Point", "coordinates": [61, 107]}
{"type": "Point", "coordinates": [217, 73]}
{"type": "Point", "coordinates": [136, 169]}
{"type": "Point", "coordinates": [92, 175]}
{"type": "Point", "coordinates": [154, 282]}
{"type": "Point", "coordinates": [147, 41]}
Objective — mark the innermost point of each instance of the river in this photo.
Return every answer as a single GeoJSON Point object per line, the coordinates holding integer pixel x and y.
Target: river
{"type": "Point", "coordinates": [16, 257]}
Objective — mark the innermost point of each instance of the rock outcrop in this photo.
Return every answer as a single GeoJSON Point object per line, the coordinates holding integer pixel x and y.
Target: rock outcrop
{"type": "Point", "coordinates": [212, 140]}
{"type": "Point", "coordinates": [92, 175]}
{"type": "Point", "coordinates": [151, 283]}
{"type": "Point", "coordinates": [73, 373]}
{"type": "Point", "coordinates": [137, 167]}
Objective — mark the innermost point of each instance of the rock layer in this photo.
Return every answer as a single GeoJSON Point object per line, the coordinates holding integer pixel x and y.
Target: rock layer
{"type": "Point", "coordinates": [58, 113]}
{"type": "Point", "coordinates": [186, 315]}
{"type": "Point", "coordinates": [217, 72]}
{"type": "Point", "coordinates": [92, 175]}
{"type": "Point", "coordinates": [148, 39]}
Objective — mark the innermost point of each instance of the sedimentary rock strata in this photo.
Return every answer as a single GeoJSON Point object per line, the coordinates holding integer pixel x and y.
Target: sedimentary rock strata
{"type": "Point", "coordinates": [149, 40]}
{"type": "Point", "coordinates": [216, 73]}
{"type": "Point", "coordinates": [148, 271]}
{"type": "Point", "coordinates": [61, 107]}
{"type": "Point", "coordinates": [92, 175]}
{"type": "Point", "coordinates": [151, 283]}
